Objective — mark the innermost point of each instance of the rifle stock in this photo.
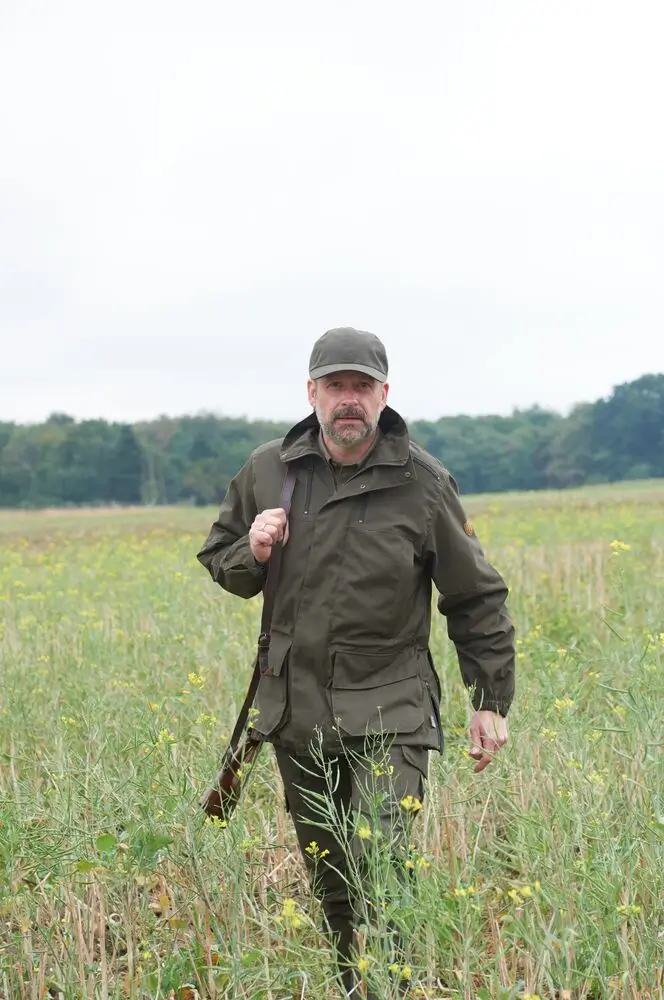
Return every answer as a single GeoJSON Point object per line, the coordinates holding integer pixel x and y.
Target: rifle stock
{"type": "Point", "coordinates": [222, 796]}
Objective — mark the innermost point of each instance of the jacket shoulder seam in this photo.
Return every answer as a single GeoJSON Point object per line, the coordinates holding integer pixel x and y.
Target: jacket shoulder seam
{"type": "Point", "coordinates": [428, 462]}
{"type": "Point", "coordinates": [426, 465]}
{"type": "Point", "coordinates": [436, 474]}
{"type": "Point", "coordinates": [274, 445]}
{"type": "Point", "coordinates": [443, 481]}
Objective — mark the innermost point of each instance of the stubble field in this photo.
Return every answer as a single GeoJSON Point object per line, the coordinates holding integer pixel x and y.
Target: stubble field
{"type": "Point", "coordinates": [122, 668]}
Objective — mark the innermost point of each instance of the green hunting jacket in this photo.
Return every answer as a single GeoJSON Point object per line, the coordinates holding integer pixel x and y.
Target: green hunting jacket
{"type": "Point", "coordinates": [349, 653]}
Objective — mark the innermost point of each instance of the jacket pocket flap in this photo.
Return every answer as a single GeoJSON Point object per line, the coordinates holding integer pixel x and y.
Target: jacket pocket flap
{"type": "Point", "coordinates": [277, 653]}
{"type": "Point", "coordinates": [272, 695]}
{"type": "Point", "coordinates": [397, 707]}
{"type": "Point", "coordinates": [370, 670]}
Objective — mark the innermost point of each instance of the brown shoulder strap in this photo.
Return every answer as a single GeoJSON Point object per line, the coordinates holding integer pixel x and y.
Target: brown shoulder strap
{"type": "Point", "coordinates": [273, 574]}
{"type": "Point", "coordinates": [269, 595]}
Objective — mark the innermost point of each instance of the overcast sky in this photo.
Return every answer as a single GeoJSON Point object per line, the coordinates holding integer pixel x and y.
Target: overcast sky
{"type": "Point", "coordinates": [191, 193]}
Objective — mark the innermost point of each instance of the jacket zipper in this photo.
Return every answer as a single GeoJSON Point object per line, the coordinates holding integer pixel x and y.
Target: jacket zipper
{"type": "Point", "coordinates": [362, 509]}
{"type": "Point", "coordinates": [436, 715]}
{"type": "Point", "coordinates": [310, 481]}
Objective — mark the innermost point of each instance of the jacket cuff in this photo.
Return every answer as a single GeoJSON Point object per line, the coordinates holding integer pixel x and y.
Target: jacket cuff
{"type": "Point", "coordinates": [243, 559]}
{"type": "Point", "coordinates": [485, 702]}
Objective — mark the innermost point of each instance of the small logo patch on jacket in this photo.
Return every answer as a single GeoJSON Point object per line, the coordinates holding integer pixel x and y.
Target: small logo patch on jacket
{"type": "Point", "coordinates": [468, 528]}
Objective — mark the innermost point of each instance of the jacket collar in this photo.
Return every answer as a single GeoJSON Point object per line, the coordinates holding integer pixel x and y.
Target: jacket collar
{"type": "Point", "coordinates": [393, 448]}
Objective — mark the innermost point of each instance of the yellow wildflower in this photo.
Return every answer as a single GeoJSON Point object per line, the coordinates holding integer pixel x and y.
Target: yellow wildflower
{"type": "Point", "coordinates": [288, 915]}
{"type": "Point", "coordinates": [221, 824]}
{"type": "Point", "coordinates": [411, 804]}
{"type": "Point", "coordinates": [206, 720]}
{"type": "Point", "coordinates": [380, 771]}
{"type": "Point", "coordinates": [618, 546]}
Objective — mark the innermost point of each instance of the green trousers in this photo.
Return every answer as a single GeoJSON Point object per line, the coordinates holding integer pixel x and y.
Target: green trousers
{"type": "Point", "coordinates": [352, 813]}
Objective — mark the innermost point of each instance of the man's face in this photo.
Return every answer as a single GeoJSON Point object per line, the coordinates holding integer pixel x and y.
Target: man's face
{"type": "Point", "coordinates": [348, 406]}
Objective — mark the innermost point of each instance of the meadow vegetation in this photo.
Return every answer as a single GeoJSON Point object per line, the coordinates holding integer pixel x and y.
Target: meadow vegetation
{"type": "Point", "coordinates": [122, 670]}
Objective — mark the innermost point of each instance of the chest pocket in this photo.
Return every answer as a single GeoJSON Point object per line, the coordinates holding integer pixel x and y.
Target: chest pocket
{"type": "Point", "coordinates": [377, 580]}
{"type": "Point", "coordinates": [389, 510]}
{"type": "Point", "coordinates": [314, 488]}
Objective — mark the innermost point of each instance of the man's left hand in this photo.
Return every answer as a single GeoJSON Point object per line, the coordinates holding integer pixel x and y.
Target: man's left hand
{"type": "Point", "coordinates": [488, 733]}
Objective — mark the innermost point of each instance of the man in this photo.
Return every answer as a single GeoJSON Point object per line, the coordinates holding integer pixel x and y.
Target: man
{"type": "Point", "coordinates": [374, 522]}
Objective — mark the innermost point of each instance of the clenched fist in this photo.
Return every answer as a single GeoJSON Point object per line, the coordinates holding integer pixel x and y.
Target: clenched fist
{"type": "Point", "coordinates": [269, 526]}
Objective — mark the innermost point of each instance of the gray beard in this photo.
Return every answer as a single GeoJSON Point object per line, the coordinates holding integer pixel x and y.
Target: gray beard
{"type": "Point", "coordinates": [349, 438]}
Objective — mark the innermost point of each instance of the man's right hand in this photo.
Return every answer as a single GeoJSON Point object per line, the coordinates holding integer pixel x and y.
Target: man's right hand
{"type": "Point", "coordinates": [269, 526]}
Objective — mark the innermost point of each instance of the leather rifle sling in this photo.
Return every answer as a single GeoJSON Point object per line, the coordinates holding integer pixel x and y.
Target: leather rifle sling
{"type": "Point", "coordinates": [269, 595]}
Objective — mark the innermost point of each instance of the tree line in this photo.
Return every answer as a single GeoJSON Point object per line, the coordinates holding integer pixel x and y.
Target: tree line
{"type": "Point", "coordinates": [191, 459]}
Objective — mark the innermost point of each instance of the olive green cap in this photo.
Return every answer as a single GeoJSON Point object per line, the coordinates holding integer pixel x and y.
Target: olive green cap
{"type": "Point", "coordinates": [346, 349]}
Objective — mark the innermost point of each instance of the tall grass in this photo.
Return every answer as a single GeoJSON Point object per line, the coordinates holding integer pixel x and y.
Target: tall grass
{"type": "Point", "coordinates": [122, 669]}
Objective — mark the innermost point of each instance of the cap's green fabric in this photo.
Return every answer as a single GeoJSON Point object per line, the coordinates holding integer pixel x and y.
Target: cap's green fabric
{"type": "Point", "coordinates": [347, 349]}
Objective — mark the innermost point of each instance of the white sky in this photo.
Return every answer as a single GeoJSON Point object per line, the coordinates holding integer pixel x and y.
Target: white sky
{"type": "Point", "coordinates": [191, 193]}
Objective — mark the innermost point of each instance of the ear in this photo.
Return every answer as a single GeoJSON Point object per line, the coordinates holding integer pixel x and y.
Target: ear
{"type": "Point", "coordinates": [311, 393]}
{"type": "Point", "coordinates": [385, 388]}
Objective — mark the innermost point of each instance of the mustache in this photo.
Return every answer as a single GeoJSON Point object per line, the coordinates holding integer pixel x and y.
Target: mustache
{"type": "Point", "coordinates": [349, 412]}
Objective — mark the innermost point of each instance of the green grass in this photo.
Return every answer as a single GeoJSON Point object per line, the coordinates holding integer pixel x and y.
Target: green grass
{"type": "Point", "coordinates": [122, 670]}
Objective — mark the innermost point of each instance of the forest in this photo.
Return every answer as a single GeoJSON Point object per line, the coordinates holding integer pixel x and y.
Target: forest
{"type": "Point", "coordinates": [191, 459]}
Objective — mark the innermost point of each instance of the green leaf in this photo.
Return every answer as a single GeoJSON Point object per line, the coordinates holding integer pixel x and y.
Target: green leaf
{"type": "Point", "coordinates": [84, 865]}
{"type": "Point", "coordinates": [252, 957]}
{"type": "Point", "coordinates": [147, 847]}
{"type": "Point", "coordinates": [106, 842]}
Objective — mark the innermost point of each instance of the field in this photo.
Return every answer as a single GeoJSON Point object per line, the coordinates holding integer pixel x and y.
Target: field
{"type": "Point", "coordinates": [122, 669]}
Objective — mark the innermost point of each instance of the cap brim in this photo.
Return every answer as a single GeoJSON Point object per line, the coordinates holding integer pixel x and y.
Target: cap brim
{"type": "Point", "coordinates": [350, 367]}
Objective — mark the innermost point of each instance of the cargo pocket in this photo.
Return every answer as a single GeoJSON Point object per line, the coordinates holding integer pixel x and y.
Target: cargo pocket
{"type": "Point", "coordinates": [272, 696]}
{"type": "Point", "coordinates": [418, 759]}
{"type": "Point", "coordinates": [434, 692]}
{"type": "Point", "coordinates": [377, 694]}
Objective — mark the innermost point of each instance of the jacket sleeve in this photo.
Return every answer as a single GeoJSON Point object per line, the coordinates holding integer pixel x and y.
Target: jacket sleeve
{"type": "Point", "coordinates": [472, 598]}
{"type": "Point", "coordinates": [226, 553]}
